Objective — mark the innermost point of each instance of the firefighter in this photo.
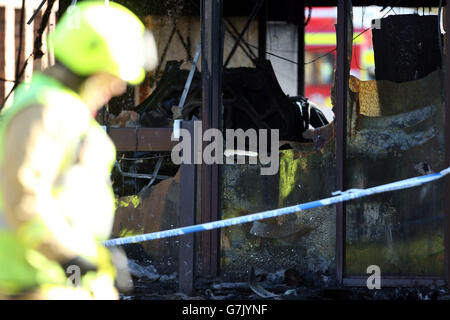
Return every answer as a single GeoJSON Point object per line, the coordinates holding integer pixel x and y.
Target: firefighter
{"type": "Point", "coordinates": [56, 200]}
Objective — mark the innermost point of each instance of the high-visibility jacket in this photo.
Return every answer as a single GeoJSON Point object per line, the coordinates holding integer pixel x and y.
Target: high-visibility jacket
{"type": "Point", "coordinates": [56, 199]}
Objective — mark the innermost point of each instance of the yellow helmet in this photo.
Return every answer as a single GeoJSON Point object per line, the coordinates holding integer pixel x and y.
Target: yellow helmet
{"type": "Point", "coordinates": [94, 37]}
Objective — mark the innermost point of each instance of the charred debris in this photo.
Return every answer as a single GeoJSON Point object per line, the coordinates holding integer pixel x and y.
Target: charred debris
{"type": "Point", "coordinates": [252, 98]}
{"type": "Point", "coordinates": [394, 126]}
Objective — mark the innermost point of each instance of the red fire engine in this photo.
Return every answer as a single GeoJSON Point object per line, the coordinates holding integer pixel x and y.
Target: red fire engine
{"type": "Point", "coordinates": [320, 39]}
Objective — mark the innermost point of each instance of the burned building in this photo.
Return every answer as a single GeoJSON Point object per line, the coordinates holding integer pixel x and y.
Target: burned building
{"type": "Point", "coordinates": [386, 127]}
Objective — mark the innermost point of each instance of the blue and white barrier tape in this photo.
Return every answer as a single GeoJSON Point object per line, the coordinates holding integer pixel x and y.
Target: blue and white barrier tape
{"type": "Point", "coordinates": [339, 196]}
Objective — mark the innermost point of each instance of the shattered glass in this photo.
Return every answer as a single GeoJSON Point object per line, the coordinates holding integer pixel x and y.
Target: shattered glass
{"type": "Point", "coordinates": [395, 131]}
{"type": "Point", "coordinates": [304, 241]}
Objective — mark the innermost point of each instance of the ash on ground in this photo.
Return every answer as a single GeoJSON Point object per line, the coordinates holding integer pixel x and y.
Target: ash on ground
{"type": "Point", "coordinates": [149, 285]}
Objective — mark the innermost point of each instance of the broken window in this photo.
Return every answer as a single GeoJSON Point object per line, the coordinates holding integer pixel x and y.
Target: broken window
{"type": "Point", "coordinates": [288, 244]}
{"type": "Point", "coordinates": [146, 182]}
{"type": "Point", "coordinates": [395, 131]}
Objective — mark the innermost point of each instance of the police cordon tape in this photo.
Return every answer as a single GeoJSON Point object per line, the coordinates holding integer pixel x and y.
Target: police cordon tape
{"type": "Point", "coordinates": [339, 196]}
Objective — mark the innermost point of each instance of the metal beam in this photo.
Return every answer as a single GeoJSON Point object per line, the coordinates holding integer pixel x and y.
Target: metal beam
{"type": "Point", "coordinates": [301, 51]}
{"type": "Point", "coordinates": [232, 31]}
{"type": "Point", "coordinates": [446, 63]}
{"type": "Point", "coordinates": [188, 205]}
{"type": "Point", "coordinates": [253, 14]}
{"type": "Point", "coordinates": [262, 30]}
{"type": "Point", "coordinates": [341, 127]}
{"type": "Point", "coordinates": [36, 12]}
{"type": "Point", "coordinates": [212, 61]}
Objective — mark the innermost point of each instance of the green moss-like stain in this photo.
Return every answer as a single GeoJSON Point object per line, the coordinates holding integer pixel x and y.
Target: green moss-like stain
{"type": "Point", "coordinates": [129, 233]}
{"type": "Point", "coordinates": [297, 242]}
{"type": "Point", "coordinates": [419, 256]}
{"type": "Point", "coordinates": [288, 174]}
{"type": "Point", "coordinates": [134, 200]}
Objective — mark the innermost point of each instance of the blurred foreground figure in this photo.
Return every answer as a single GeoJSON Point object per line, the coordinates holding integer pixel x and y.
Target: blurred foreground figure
{"type": "Point", "coordinates": [56, 200]}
